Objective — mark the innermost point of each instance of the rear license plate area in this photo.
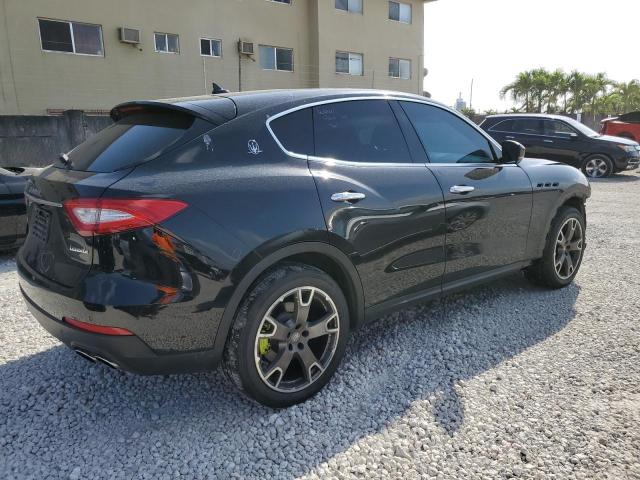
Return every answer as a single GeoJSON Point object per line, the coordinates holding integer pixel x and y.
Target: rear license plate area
{"type": "Point", "coordinates": [40, 226]}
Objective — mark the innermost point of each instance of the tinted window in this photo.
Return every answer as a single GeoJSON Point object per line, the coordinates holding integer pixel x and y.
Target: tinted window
{"type": "Point", "coordinates": [447, 138]}
{"type": "Point", "coordinates": [503, 126]}
{"type": "Point", "coordinates": [556, 128]}
{"type": "Point", "coordinates": [130, 141]}
{"type": "Point", "coordinates": [531, 126]}
{"type": "Point", "coordinates": [295, 131]}
{"type": "Point", "coordinates": [359, 131]}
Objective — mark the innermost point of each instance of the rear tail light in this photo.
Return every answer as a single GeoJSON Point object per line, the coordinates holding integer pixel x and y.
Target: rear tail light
{"type": "Point", "coordinates": [100, 216]}
{"type": "Point", "coordinates": [92, 328]}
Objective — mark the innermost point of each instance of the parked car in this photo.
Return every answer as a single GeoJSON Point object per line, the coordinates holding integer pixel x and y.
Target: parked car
{"type": "Point", "coordinates": [626, 126]}
{"type": "Point", "coordinates": [13, 211]}
{"type": "Point", "coordinates": [258, 229]}
{"type": "Point", "coordinates": [566, 140]}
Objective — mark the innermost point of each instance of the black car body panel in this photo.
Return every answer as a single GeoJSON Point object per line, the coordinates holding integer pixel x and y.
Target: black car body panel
{"type": "Point", "coordinates": [259, 192]}
{"type": "Point", "coordinates": [554, 137]}
{"type": "Point", "coordinates": [13, 218]}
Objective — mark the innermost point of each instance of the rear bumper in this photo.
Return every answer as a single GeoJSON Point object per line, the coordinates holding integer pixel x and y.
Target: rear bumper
{"type": "Point", "coordinates": [128, 353]}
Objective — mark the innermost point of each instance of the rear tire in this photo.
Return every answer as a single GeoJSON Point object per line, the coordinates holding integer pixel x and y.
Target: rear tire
{"type": "Point", "coordinates": [597, 166]}
{"type": "Point", "coordinates": [288, 337]}
{"type": "Point", "coordinates": [563, 251]}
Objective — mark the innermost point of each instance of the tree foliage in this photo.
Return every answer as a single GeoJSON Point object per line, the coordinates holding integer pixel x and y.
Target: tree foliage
{"type": "Point", "coordinates": [542, 91]}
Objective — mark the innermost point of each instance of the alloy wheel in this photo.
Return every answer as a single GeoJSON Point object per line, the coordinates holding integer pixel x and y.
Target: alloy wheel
{"type": "Point", "coordinates": [596, 167]}
{"type": "Point", "coordinates": [297, 339]}
{"type": "Point", "coordinates": [569, 245]}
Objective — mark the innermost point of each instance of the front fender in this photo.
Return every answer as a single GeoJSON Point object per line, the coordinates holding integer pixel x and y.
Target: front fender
{"type": "Point", "coordinates": [554, 185]}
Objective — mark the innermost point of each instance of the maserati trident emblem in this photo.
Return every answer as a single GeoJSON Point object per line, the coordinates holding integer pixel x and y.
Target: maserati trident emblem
{"type": "Point", "coordinates": [254, 147]}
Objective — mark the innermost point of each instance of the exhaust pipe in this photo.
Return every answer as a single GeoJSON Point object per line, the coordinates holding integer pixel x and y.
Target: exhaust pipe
{"type": "Point", "coordinates": [108, 363]}
{"type": "Point", "coordinates": [96, 359]}
{"type": "Point", "coordinates": [85, 355]}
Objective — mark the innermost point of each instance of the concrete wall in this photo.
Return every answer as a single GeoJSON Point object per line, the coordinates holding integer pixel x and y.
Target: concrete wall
{"type": "Point", "coordinates": [33, 81]}
{"type": "Point", "coordinates": [36, 141]}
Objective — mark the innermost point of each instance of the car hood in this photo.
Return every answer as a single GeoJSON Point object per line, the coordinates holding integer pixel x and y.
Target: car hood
{"type": "Point", "coordinates": [612, 139]}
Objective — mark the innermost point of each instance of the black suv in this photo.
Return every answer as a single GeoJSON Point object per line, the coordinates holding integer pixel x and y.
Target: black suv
{"type": "Point", "coordinates": [257, 230]}
{"type": "Point", "coordinates": [564, 139]}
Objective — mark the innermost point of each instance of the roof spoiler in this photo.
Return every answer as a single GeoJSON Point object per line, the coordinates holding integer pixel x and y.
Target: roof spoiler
{"type": "Point", "coordinates": [217, 116]}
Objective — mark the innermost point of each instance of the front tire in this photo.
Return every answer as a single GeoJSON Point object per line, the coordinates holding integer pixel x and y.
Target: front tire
{"type": "Point", "coordinates": [563, 251]}
{"type": "Point", "coordinates": [597, 166]}
{"type": "Point", "coordinates": [288, 337]}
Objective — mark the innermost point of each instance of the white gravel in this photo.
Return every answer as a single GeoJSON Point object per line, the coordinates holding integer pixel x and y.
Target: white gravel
{"type": "Point", "coordinates": [507, 380]}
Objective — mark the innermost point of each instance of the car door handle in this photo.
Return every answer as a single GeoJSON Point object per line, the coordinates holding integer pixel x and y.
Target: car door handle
{"type": "Point", "coordinates": [511, 137]}
{"type": "Point", "coordinates": [461, 189]}
{"type": "Point", "coordinates": [350, 197]}
{"type": "Point", "coordinates": [548, 141]}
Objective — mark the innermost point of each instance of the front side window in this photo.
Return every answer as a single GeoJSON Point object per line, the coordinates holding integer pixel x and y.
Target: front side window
{"type": "Point", "coordinates": [276, 58]}
{"type": "Point", "coordinates": [400, 68]}
{"type": "Point", "coordinates": [167, 43]}
{"type": "Point", "coordinates": [359, 131]}
{"type": "Point", "coordinates": [210, 47]}
{"type": "Point", "coordinates": [288, 2]}
{"type": "Point", "coordinates": [353, 6]}
{"type": "Point", "coordinates": [556, 128]}
{"type": "Point", "coordinates": [447, 138]}
{"type": "Point", "coordinates": [400, 12]}
{"type": "Point", "coordinates": [71, 37]}
{"type": "Point", "coordinates": [349, 63]}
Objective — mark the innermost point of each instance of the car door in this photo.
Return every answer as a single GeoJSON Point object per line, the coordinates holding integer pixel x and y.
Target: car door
{"type": "Point", "coordinates": [561, 143]}
{"type": "Point", "coordinates": [529, 131]}
{"type": "Point", "coordinates": [487, 204]}
{"type": "Point", "coordinates": [7, 214]}
{"type": "Point", "coordinates": [382, 209]}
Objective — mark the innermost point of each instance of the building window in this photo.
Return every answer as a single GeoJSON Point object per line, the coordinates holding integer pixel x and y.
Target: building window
{"type": "Point", "coordinates": [400, 68]}
{"type": "Point", "coordinates": [349, 63]}
{"type": "Point", "coordinates": [353, 6]}
{"type": "Point", "coordinates": [167, 43]}
{"type": "Point", "coordinates": [210, 47]}
{"type": "Point", "coordinates": [400, 12]}
{"type": "Point", "coordinates": [71, 37]}
{"type": "Point", "coordinates": [276, 58]}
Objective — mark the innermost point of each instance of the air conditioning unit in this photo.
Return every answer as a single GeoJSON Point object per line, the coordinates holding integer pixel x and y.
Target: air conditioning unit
{"type": "Point", "coordinates": [245, 48]}
{"type": "Point", "coordinates": [129, 35]}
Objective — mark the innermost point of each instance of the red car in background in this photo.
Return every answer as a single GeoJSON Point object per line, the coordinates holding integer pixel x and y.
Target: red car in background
{"type": "Point", "coordinates": [627, 126]}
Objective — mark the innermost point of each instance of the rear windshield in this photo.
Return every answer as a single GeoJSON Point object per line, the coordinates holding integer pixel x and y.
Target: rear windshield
{"type": "Point", "coordinates": [135, 139]}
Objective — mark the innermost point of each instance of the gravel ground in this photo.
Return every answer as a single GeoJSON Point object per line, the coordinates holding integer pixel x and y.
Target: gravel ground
{"type": "Point", "coordinates": [507, 380]}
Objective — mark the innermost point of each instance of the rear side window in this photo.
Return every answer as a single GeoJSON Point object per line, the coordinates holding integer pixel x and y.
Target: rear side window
{"type": "Point", "coordinates": [295, 131]}
{"type": "Point", "coordinates": [445, 137]}
{"type": "Point", "coordinates": [530, 126]}
{"type": "Point", "coordinates": [132, 140]}
{"type": "Point", "coordinates": [359, 131]}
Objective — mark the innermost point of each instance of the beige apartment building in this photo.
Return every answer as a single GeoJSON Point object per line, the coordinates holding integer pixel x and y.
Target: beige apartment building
{"type": "Point", "coordinates": [92, 54]}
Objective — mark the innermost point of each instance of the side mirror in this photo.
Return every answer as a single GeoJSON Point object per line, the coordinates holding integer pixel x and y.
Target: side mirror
{"type": "Point", "coordinates": [512, 152]}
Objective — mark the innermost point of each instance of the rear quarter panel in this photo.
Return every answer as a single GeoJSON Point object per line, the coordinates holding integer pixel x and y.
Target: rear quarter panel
{"type": "Point", "coordinates": [244, 203]}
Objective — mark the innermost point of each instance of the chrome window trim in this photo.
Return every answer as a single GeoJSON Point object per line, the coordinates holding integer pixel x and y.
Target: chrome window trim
{"type": "Point", "coordinates": [385, 98]}
{"type": "Point", "coordinates": [512, 132]}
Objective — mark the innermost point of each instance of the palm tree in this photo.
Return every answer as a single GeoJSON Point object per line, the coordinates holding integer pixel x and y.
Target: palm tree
{"type": "Point", "coordinates": [520, 90]}
{"type": "Point", "coordinates": [629, 94]}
